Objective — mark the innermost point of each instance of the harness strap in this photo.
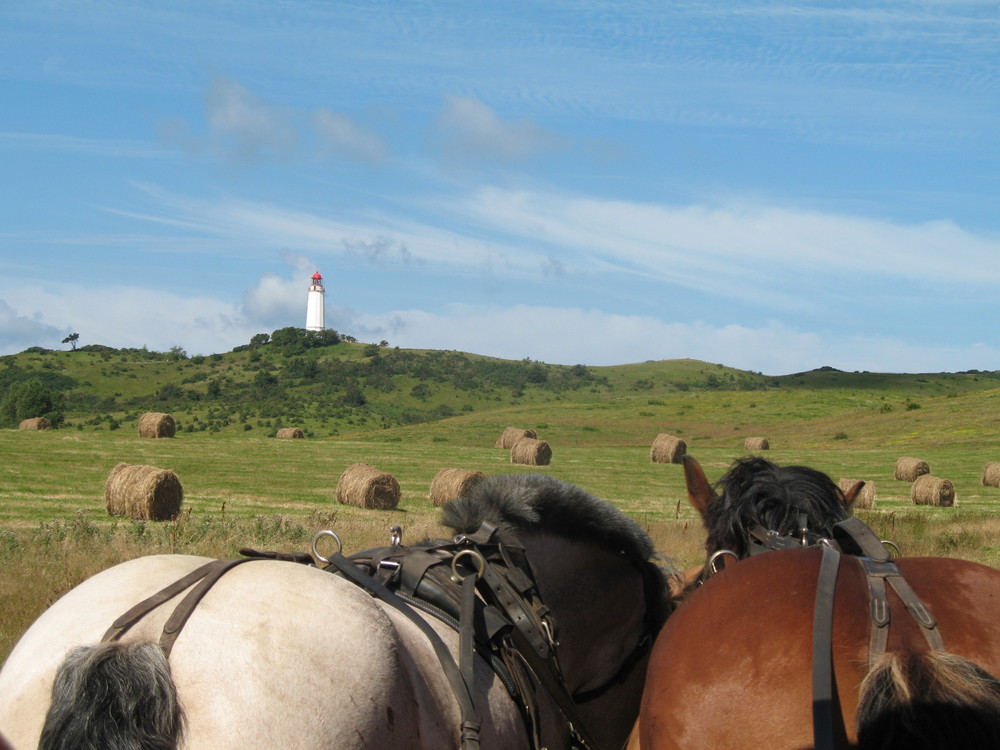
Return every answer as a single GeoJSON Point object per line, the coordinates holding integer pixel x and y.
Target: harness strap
{"type": "Point", "coordinates": [549, 679]}
{"type": "Point", "coordinates": [461, 689]}
{"type": "Point", "coordinates": [208, 574]}
{"type": "Point", "coordinates": [466, 636]}
{"type": "Point", "coordinates": [180, 615]}
{"type": "Point", "coordinates": [918, 610]}
{"type": "Point", "coordinates": [528, 639]}
{"type": "Point", "coordinates": [828, 723]}
{"type": "Point", "coordinates": [879, 613]}
{"type": "Point", "coordinates": [878, 573]}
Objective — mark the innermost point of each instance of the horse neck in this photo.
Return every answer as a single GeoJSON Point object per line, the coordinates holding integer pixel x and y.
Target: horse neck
{"type": "Point", "coordinates": [597, 599]}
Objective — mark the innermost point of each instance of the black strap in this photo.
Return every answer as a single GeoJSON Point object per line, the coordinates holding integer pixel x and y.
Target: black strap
{"type": "Point", "coordinates": [855, 537]}
{"type": "Point", "coordinates": [466, 635]}
{"type": "Point", "coordinates": [828, 723]}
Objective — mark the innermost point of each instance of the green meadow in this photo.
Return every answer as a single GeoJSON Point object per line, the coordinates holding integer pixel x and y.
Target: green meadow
{"type": "Point", "coordinates": [244, 488]}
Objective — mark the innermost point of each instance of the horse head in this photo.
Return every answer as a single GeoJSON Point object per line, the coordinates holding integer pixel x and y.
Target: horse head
{"type": "Point", "coordinates": [757, 497]}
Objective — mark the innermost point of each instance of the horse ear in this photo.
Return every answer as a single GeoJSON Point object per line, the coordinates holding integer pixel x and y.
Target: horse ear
{"type": "Point", "coordinates": [700, 492]}
{"type": "Point", "coordinates": [851, 494]}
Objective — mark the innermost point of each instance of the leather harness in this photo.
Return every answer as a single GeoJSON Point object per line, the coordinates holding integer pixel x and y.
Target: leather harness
{"type": "Point", "coordinates": [852, 537]}
{"type": "Point", "coordinates": [481, 585]}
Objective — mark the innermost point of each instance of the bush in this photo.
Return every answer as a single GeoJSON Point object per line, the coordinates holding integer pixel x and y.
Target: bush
{"type": "Point", "coordinates": [31, 398]}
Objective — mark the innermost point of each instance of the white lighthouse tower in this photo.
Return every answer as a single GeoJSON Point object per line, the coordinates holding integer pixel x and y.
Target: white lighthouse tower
{"type": "Point", "coordinates": [314, 305]}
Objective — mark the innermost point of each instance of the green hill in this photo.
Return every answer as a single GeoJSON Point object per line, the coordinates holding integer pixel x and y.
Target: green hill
{"type": "Point", "coordinates": [352, 389]}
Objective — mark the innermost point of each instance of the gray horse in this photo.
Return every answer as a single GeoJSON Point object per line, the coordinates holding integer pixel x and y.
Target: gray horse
{"type": "Point", "coordinates": [278, 654]}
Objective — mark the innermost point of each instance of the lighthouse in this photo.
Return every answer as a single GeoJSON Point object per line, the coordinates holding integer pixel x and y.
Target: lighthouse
{"type": "Point", "coordinates": [314, 304]}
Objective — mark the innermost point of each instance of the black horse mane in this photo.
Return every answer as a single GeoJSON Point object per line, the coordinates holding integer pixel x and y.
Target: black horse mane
{"type": "Point", "coordinates": [537, 502]}
{"type": "Point", "coordinates": [756, 491]}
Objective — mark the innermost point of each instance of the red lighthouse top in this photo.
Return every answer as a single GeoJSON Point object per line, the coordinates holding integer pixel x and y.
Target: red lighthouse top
{"type": "Point", "coordinates": [316, 276]}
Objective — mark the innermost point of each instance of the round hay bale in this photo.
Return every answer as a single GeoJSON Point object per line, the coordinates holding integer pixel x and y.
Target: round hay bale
{"type": "Point", "coordinates": [908, 469]}
{"type": "Point", "coordinates": [451, 483]}
{"type": "Point", "coordinates": [143, 493]}
{"type": "Point", "coordinates": [531, 452]}
{"type": "Point", "coordinates": [865, 499]}
{"type": "Point", "coordinates": [930, 490]}
{"type": "Point", "coordinates": [154, 424]}
{"type": "Point", "coordinates": [289, 432]}
{"type": "Point", "coordinates": [511, 435]}
{"type": "Point", "coordinates": [667, 449]}
{"type": "Point", "coordinates": [991, 474]}
{"type": "Point", "coordinates": [367, 487]}
{"type": "Point", "coordinates": [35, 423]}
{"type": "Point", "coordinates": [756, 444]}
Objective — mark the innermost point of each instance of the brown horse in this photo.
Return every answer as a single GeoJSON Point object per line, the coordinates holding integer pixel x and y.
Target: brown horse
{"type": "Point", "coordinates": [735, 665]}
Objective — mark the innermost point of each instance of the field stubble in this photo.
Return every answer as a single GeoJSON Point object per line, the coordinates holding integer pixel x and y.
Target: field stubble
{"type": "Point", "coordinates": [275, 494]}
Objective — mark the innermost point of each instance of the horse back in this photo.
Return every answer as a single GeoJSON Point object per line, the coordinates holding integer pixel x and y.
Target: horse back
{"type": "Point", "coordinates": [276, 654]}
{"type": "Point", "coordinates": [732, 667]}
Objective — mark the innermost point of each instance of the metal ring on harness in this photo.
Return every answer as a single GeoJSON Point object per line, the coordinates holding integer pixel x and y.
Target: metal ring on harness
{"type": "Point", "coordinates": [893, 547]}
{"type": "Point", "coordinates": [716, 555]}
{"type": "Point", "coordinates": [476, 556]}
{"type": "Point", "coordinates": [315, 550]}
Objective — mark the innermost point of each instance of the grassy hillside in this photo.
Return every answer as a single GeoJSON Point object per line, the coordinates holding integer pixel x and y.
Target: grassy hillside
{"type": "Point", "coordinates": [354, 389]}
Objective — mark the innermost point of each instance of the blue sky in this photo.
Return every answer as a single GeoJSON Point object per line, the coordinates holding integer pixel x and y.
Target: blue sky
{"type": "Point", "coordinates": [775, 186]}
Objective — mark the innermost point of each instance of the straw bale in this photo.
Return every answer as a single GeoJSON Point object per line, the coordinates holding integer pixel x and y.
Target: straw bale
{"type": "Point", "coordinates": [991, 474]}
{"type": "Point", "coordinates": [865, 499]}
{"type": "Point", "coordinates": [143, 492]}
{"type": "Point", "coordinates": [531, 452]}
{"type": "Point", "coordinates": [451, 483]}
{"type": "Point", "coordinates": [35, 423]}
{"type": "Point", "coordinates": [931, 490]}
{"type": "Point", "coordinates": [290, 432]}
{"type": "Point", "coordinates": [667, 449]}
{"type": "Point", "coordinates": [154, 424]}
{"type": "Point", "coordinates": [756, 444]}
{"type": "Point", "coordinates": [367, 487]}
{"type": "Point", "coordinates": [511, 435]}
{"type": "Point", "coordinates": [908, 469]}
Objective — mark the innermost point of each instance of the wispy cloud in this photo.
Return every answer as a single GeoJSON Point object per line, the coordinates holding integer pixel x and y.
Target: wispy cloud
{"type": "Point", "coordinates": [93, 146]}
{"type": "Point", "coordinates": [765, 254]}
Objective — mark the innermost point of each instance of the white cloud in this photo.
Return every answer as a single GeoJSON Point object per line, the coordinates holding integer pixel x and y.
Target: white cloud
{"type": "Point", "coordinates": [344, 137]}
{"type": "Point", "coordinates": [135, 317]}
{"type": "Point", "coordinates": [591, 337]}
{"type": "Point", "coordinates": [472, 128]}
{"type": "Point", "coordinates": [127, 317]}
{"type": "Point", "coordinates": [18, 332]}
{"type": "Point", "coordinates": [276, 301]}
{"type": "Point", "coordinates": [247, 128]}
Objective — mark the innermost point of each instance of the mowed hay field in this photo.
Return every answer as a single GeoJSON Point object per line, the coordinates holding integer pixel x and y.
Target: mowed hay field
{"type": "Point", "coordinates": [275, 494]}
